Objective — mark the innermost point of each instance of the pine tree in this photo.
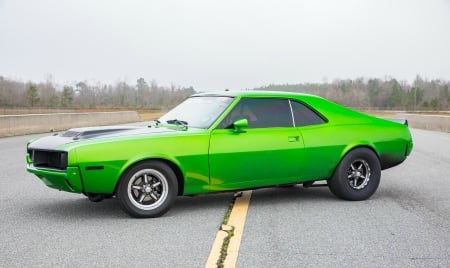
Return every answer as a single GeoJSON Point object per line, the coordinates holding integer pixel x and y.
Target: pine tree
{"type": "Point", "coordinates": [32, 95]}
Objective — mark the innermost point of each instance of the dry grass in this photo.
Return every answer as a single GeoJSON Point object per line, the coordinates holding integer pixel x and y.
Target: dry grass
{"type": "Point", "coordinates": [388, 114]}
{"type": "Point", "coordinates": [149, 116]}
{"type": "Point", "coordinates": [18, 111]}
{"type": "Point", "coordinates": [384, 114]}
{"type": "Point", "coordinates": [145, 114]}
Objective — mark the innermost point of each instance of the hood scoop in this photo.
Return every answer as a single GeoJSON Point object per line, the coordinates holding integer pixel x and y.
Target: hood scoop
{"type": "Point", "coordinates": [81, 134]}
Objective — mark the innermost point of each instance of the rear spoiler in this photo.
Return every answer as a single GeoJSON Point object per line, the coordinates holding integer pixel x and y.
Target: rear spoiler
{"type": "Point", "coordinates": [402, 121]}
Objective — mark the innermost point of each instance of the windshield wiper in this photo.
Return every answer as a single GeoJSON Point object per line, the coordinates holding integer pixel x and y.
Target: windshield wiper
{"type": "Point", "coordinates": [177, 122]}
{"type": "Point", "coordinates": [154, 123]}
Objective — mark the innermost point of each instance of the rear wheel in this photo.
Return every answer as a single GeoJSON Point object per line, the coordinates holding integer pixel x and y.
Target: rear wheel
{"type": "Point", "coordinates": [147, 190]}
{"type": "Point", "coordinates": [358, 175]}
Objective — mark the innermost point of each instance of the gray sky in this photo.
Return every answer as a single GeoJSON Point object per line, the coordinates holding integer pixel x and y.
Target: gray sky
{"type": "Point", "coordinates": [213, 45]}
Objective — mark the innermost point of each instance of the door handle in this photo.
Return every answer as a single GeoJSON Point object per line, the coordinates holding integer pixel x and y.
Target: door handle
{"type": "Point", "coordinates": [293, 138]}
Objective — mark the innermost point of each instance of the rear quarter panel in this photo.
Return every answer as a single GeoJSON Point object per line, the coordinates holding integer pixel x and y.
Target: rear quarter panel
{"type": "Point", "coordinates": [326, 144]}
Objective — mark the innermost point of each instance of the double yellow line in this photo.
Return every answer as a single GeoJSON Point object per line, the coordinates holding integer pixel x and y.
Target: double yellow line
{"type": "Point", "coordinates": [225, 249]}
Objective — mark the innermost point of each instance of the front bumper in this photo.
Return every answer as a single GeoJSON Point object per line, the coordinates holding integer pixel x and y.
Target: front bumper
{"type": "Point", "coordinates": [68, 180]}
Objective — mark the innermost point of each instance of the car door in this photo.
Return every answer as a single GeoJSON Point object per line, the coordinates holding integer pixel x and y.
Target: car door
{"type": "Point", "coordinates": [321, 152]}
{"type": "Point", "coordinates": [267, 152]}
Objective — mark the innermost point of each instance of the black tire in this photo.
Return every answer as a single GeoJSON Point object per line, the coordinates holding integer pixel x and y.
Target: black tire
{"type": "Point", "coordinates": [147, 190]}
{"type": "Point", "coordinates": [357, 176]}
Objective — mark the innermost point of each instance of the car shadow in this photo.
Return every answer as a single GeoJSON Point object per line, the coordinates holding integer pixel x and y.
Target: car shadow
{"type": "Point", "coordinates": [192, 204]}
{"type": "Point", "coordinates": [82, 208]}
{"type": "Point", "coordinates": [296, 193]}
{"type": "Point", "coordinates": [78, 208]}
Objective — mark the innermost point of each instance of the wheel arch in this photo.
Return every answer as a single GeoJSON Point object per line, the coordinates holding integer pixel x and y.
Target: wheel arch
{"type": "Point", "coordinates": [359, 144]}
{"type": "Point", "coordinates": [175, 168]}
{"type": "Point", "coordinates": [350, 148]}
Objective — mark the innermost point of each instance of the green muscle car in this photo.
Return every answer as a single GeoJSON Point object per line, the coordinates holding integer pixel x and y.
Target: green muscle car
{"type": "Point", "coordinates": [224, 141]}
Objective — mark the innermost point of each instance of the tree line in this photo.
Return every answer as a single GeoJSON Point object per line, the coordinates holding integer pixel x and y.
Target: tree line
{"type": "Point", "coordinates": [386, 94]}
{"type": "Point", "coordinates": [141, 95]}
{"type": "Point", "coordinates": [373, 93]}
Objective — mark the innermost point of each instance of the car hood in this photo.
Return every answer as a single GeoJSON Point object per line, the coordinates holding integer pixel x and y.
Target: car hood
{"type": "Point", "coordinates": [90, 133]}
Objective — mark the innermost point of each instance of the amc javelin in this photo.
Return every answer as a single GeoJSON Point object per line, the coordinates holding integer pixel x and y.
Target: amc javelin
{"type": "Point", "coordinates": [224, 141]}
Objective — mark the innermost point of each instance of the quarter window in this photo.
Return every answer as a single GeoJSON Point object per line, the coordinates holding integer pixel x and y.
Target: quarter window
{"type": "Point", "coordinates": [304, 116]}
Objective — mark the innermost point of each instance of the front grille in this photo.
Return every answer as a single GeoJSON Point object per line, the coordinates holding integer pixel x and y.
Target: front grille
{"type": "Point", "coordinates": [48, 159]}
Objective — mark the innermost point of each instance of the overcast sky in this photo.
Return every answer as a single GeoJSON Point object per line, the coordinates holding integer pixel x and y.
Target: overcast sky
{"type": "Point", "coordinates": [213, 45]}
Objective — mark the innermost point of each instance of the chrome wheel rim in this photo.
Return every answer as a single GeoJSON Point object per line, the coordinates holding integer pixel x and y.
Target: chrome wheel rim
{"type": "Point", "coordinates": [358, 174]}
{"type": "Point", "coordinates": [147, 189]}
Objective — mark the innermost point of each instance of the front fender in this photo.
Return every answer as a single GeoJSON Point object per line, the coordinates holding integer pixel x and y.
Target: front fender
{"type": "Point", "coordinates": [145, 157]}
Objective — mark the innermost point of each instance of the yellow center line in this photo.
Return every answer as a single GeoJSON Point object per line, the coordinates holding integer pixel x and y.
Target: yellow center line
{"type": "Point", "coordinates": [236, 224]}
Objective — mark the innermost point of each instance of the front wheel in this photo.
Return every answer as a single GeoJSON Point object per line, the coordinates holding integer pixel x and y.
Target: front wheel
{"type": "Point", "coordinates": [147, 190]}
{"type": "Point", "coordinates": [357, 176]}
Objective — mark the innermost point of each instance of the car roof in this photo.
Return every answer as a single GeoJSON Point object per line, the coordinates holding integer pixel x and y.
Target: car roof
{"type": "Point", "coordinates": [254, 93]}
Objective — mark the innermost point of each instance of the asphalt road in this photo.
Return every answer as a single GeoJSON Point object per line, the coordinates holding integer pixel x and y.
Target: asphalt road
{"type": "Point", "coordinates": [41, 227]}
{"type": "Point", "coordinates": [405, 224]}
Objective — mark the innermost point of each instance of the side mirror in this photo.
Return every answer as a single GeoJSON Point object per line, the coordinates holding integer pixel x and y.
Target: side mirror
{"type": "Point", "coordinates": [239, 125]}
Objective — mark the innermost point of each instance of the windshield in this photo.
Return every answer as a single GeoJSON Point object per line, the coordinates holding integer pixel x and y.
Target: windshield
{"type": "Point", "coordinates": [198, 112]}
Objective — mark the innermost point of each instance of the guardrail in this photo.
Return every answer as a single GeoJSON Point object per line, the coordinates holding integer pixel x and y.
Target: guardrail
{"type": "Point", "coordinates": [13, 125]}
{"type": "Point", "coordinates": [430, 122]}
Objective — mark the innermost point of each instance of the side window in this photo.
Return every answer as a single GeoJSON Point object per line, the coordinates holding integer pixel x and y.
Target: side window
{"type": "Point", "coordinates": [260, 113]}
{"type": "Point", "coordinates": [304, 116]}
